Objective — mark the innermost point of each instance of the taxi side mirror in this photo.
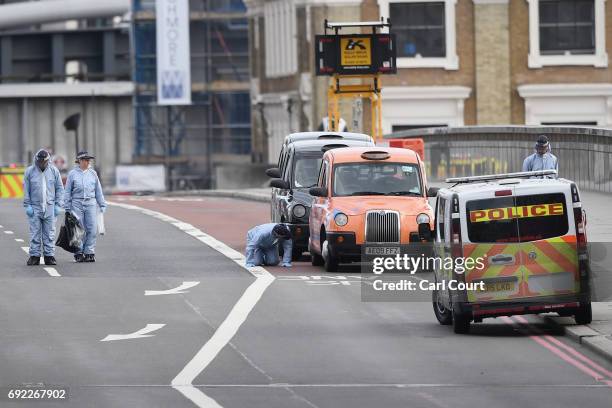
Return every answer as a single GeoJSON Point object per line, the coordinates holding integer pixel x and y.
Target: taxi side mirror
{"type": "Point", "coordinates": [279, 183]}
{"type": "Point", "coordinates": [432, 191]}
{"type": "Point", "coordinates": [273, 172]}
{"type": "Point", "coordinates": [318, 191]}
{"type": "Point", "coordinates": [425, 233]}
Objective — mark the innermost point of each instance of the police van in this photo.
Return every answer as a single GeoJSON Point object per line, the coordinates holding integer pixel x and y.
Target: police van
{"type": "Point", "coordinates": [525, 236]}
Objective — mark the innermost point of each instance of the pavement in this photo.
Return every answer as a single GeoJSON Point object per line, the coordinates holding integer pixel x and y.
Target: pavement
{"type": "Point", "coordinates": [168, 317]}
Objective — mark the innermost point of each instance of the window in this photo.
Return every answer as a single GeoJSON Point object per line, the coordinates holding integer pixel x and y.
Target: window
{"type": "Point", "coordinates": [305, 171]}
{"type": "Point", "coordinates": [567, 32]}
{"type": "Point", "coordinates": [567, 26]}
{"type": "Point", "coordinates": [425, 31]}
{"type": "Point", "coordinates": [280, 38]}
{"type": "Point", "coordinates": [363, 179]}
{"type": "Point", "coordinates": [512, 219]}
{"type": "Point", "coordinates": [419, 29]}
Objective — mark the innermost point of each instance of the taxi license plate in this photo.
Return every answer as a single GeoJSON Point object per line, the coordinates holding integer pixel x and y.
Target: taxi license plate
{"type": "Point", "coordinates": [382, 251]}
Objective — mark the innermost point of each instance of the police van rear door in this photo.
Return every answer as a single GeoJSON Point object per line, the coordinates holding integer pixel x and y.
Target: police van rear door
{"type": "Point", "coordinates": [493, 236]}
{"type": "Point", "coordinates": [548, 244]}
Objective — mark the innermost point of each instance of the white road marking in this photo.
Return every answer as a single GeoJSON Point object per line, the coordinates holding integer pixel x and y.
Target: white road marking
{"type": "Point", "coordinates": [175, 291]}
{"type": "Point", "coordinates": [1, 226]}
{"type": "Point", "coordinates": [183, 382]}
{"type": "Point", "coordinates": [139, 334]}
{"type": "Point", "coordinates": [52, 271]}
{"type": "Point", "coordinates": [7, 232]}
{"type": "Point", "coordinates": [18, 240]}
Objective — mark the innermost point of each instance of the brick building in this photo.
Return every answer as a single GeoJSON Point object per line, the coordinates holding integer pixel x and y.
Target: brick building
{"type": "Point", "coordinates": [461, 62]}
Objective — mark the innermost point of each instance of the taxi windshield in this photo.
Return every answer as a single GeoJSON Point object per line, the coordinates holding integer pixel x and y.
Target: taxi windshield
{"type": "Point", "coordinates": [306, 171]}
{"type": "Point", "coordinates": [357, 179]}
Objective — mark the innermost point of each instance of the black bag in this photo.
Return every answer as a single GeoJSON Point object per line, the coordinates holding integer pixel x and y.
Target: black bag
{"type": "Point", "coordinates": [71, 234]}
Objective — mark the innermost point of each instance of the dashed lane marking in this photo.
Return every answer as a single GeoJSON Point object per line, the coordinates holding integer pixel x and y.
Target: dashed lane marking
{"type": "Point", "coordinates": [7, 232]}
{"type": "Point", "coordinates": [18, 240]}
{"type": "Point", "coordinates": [183, 382]}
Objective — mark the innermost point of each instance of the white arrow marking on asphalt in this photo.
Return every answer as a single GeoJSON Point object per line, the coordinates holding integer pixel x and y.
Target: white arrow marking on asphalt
{"type": "Point", "coordinates": [178, 290]}
{"type": "Point", "coordinates": [139, 334]}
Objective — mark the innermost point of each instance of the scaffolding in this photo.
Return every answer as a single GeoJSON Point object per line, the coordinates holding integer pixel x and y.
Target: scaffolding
{"type": "Point", "coordinates": [216, 126]}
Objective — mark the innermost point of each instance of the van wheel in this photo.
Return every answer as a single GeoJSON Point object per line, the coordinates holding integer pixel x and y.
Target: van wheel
{"type": "Point", "coordinates": [444, 316]}
{"type": "Point", "coordinates": [331, 262]}
{"type": "Point", "coordinates": [584, 314]}
{"type": "Point", "coordinates": [461, 322]}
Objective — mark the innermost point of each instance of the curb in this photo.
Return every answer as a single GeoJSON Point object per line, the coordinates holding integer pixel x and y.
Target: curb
{"type": "Point", "coordinates": [243, 195]}
{"type": "Point", "coordinates": [599, 343]}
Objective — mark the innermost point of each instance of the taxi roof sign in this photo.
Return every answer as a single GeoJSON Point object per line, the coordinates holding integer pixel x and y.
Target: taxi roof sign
{"type": "Point", "coordinates": [375, 155]}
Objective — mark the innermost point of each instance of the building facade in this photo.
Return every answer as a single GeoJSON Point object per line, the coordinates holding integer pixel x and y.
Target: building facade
{"type": "Point", "coordinates": [50, 70]}
{"type": "Point", "coordinates": [460, 62]}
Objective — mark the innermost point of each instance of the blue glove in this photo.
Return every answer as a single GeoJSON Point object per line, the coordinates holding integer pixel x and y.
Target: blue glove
{"type": "Point", "coordinates": [29, 211]}
{"type": "Point", "coordinates": [103, 209]}
{"type": "Point", "coordinates": [286, 265]}
{"type": "Point", "coordinates": [56, 211]}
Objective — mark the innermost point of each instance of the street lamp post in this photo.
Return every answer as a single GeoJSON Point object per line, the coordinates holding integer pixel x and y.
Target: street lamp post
{"type": "Point", "coordinates": [72, 124]}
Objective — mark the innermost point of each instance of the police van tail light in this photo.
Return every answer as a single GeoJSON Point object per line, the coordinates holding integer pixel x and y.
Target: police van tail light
{"type": "Point", "coordinates": [456, 241]}
{"type": "Point", "coordinates": [579, 217]}
{"type": "Point", "coordinates": [580, 221]}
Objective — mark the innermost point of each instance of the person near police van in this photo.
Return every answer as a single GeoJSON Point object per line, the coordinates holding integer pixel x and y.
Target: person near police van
{"type": "Point", "coordinates": [542, 158]}
{"type": "Point", "coordinates": [83, 197]}
{"type": "Point", "coordinates": [263, 242]}
{"type": "Point", "coordinates": [42, 199]}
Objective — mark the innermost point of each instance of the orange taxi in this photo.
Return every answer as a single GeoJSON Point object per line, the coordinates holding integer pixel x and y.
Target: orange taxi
{"type": "Point", "coordinates": [368, 196]}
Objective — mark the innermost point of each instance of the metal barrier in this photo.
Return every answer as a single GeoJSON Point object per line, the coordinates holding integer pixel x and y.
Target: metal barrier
{"type": "Point", "coordinates": [11, 182]}
{"type": "Point", "coordinates": [585, 154]}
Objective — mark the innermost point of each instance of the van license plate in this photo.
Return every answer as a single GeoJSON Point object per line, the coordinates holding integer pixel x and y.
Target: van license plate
{"type": "Point", "coordinates": [382, 251]}
{"type": "Point", "coordinates": [499, 287]}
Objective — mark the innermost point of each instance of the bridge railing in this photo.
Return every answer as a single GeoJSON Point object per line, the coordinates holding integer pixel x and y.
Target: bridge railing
{"type": "Point", "coordinates": [585, 154]}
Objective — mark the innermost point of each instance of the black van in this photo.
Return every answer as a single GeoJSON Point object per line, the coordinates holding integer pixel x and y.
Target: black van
{"type": "Point", "coordinates": [290, 201]}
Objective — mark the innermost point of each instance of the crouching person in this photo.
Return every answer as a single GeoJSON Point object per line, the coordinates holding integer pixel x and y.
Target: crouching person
{"type": "Point", "coordinates": [263, 242]}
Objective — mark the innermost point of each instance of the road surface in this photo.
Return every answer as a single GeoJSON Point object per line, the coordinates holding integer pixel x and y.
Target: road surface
{"type": "Point", "coordinates": [278, 338]}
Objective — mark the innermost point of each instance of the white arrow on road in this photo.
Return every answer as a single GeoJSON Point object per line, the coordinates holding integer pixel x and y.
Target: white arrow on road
{"type": "Point", "coordinates": [140, 334]}
{"type": "Point", "coordinates": [178, 290]}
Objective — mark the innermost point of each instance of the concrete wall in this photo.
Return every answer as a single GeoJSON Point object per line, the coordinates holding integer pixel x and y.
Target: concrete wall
{"type": "Point", "coordinates": [27, 125]}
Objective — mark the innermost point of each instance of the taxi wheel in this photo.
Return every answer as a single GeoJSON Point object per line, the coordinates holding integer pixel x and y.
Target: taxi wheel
{"type": "Point", "coordinates": [584, 314]}
{"type": "Point", "coordinates": [315, 260]}
{"type": "Point", "coordinates": [443, 315]}
{"type": "Point", "coordinates": [461, 322]}
{"type": "Point", "coordinates": [331, 262]}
